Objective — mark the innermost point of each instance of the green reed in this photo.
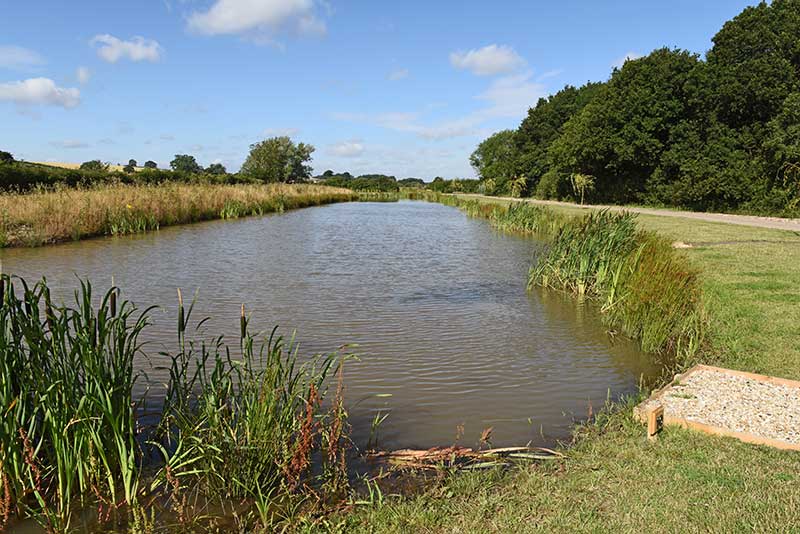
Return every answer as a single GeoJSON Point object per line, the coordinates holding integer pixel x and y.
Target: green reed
{"type": "Point", "coordinates": [246, 426]}
{"type": "Point", "coordinates": [645, 287]}
{"type": "Point", "coordinates": [67, 435]}
{"type": "Point", "coordinates": [241, 425]}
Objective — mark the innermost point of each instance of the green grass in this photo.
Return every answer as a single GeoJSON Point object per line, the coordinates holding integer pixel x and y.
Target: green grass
{"type": "Point", "coordinates": [613, 479]}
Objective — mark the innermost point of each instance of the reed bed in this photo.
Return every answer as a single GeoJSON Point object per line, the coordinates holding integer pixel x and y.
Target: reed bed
{"type": "Point", "coordinates": [64, 214]}
{"type": "Point", "coordinates": [244, 426]}
{"type": "Point", "coordinates": [646, 288]}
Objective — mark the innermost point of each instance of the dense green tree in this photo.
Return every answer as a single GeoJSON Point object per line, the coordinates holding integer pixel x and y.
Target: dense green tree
{"type": "Point", "coordinates": [94, 165]}
{"type": "Point", "coordinates": [411, 182]}
{"type": "Point", "coordinates": [544, 124]}
{"type": "Point", "coordinates": [150, 164]}
{"type": "Point", "coordinates": [130, 167]}
{"type": "Point", "coordinates": [6, 157]}
{"type": "Point", "coordinates": [278, 159]}
{"type": "Point", "coordinates": [755, 62]}
{"type": "Point", "coordinates": [620, 135]}
{"type": "Point", "coordinates": [496, 158]}
{"type": "Point", "coordinates": [216, 168]}
{"type": "Point", "coordinates": [185, 163]}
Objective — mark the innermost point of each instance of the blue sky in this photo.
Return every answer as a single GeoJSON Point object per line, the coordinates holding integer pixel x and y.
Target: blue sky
{"type": "Point", "coordinates": [405, 88]}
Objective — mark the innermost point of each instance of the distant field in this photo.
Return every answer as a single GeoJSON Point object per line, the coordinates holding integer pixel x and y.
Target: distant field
{"type": "Point", "coordinates": [75, 166]}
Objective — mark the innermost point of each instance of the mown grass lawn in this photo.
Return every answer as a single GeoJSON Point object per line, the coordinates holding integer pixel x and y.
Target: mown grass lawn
{"type": "Point", "coordinates": [613, 479]}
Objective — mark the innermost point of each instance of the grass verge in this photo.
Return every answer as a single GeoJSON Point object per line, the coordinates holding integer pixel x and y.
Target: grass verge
{"type": "Point", "coordinates": [612, 478]}
{"type": "Point", "coordinates": [64, 214]}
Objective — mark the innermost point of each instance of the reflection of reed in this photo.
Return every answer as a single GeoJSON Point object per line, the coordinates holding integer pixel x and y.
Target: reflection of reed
{"type": "Point", "coordinates": [584, 320]}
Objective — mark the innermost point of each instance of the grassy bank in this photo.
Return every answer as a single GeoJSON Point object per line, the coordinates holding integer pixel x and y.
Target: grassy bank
{"type": "Point", "coordinates": [244, 439]}
{"type": "Point", "coordinates": [615, 480]}
{"type": "Point", "coordinates": [65, 214]}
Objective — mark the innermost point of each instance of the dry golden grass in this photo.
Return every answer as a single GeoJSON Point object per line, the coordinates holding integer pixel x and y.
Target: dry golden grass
{"type": "Point", "coordinates": [76, 166]}
{"type": "Point", "coordinates": [40, 218]}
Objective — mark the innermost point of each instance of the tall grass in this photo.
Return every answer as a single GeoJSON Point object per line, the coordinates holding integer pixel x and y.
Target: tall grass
{"type": "Point", "coordinates": [246, 425]}
{"type": "Point", "coordinates": [63, 214]}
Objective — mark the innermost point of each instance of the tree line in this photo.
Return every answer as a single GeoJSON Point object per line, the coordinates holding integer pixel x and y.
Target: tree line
{"type": "Point", "coordinates": [671, 128]}
{"type": "Point", "coordinates": [277, 159]}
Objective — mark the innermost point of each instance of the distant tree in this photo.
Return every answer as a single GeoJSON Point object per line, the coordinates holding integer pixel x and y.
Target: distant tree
{"type": "Point", "coordinates": [94, 165]}
{"type": "Point", "coordinates": [411, 182]}
{"type": "Point", "coordinates": [130, 167]}
{"type": "Point", "coordinates": [518, 186]}
{"type": "Point", "coordinates": [278, 159]}
{"type": "Point", "coordinates": [6, 157]}
{"type": "Point", "coordinates": [216, 168]}
{"type": "Point", "coordinates": [327, 174]}
{"type": "Point", "coordinates": [185, 163]}
{"type": "Point", "coordinates": [150, 164]}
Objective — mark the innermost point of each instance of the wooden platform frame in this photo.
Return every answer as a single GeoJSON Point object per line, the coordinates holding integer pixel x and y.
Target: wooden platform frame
{"type": "Point", "coordinates": [641, 413]}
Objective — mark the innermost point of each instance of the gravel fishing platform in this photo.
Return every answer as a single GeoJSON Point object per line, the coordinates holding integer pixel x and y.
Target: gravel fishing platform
{"type": "Point", "coordinates": [753, 408]}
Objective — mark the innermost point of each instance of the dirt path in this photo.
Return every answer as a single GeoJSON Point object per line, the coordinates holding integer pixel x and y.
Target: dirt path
{"type": "Point", "coordinates": [743, 220]}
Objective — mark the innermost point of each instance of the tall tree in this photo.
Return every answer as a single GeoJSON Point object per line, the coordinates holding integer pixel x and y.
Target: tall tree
{"type": "Point", "coordinates": [185, 163]}
{"type": "Point", "coordinates": [544, 124]}
{"type": "Point", "coordinates": [495, 159]}
{"type": "Point", "coordinates": [278, 159]}
{"type": "Point", "coordinates": [620, 135]}
{"type": "Point", "coordinates": [216, 168]}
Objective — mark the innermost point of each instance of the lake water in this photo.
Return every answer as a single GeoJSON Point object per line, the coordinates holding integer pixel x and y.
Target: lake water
{"type": "Point", "coordinates": [447, 335]}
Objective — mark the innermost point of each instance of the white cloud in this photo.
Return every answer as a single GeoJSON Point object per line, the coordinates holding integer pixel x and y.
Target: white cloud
{"type": "Point", "coordinates": [398, 74]}
{"type": "Point", "coordinates": [69, 143]}
{"type": "Point", "coordinates": [506, 98]}
{"type": "Point", "coordinates": [112, 49]}
{"type": "Point", "coordinates": [166, 137]}
{"type": "Point", "coordinates": [488, 61]}
{"type": "Point", "coordinates": [511, 96]}
{"type": "Point", "coordinates": [259, 17]}
{"type": "Point", "coordinates": [280, 132]}
{"type": "Point", "coordinates": [630, 56]}
{"type": "Point", "coordinates": [83, 74]}
{"type": "Point", "coordinates": [42, 91]}
{"type": "Point", "coordinates": [16, 57]}
{"type": "Point", "coordinates": [347, 149]}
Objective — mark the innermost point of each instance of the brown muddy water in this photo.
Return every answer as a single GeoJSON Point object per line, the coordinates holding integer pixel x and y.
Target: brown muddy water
{"type": "Point", "coordinates": [447, 336]}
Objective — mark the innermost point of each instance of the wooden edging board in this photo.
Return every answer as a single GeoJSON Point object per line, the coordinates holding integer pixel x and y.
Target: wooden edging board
{"type": "Point", "coordinates": [641, 414]}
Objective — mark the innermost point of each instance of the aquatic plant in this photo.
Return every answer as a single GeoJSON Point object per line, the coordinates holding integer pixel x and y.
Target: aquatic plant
{"type": "Point", "coordinates": [246, 425]}
{"type": "Point", "coordinates": [645, 287]}
{"type": "Point", "coordinates": [68, 432]}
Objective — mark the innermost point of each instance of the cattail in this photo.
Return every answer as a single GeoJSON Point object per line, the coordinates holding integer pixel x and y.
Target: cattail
{"type": "Point", "coordinates": [242, 324]}
{"type": "Point", "coordinates": [181, 325]}
{"type": "Point", "coordinates": [113, 299]}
